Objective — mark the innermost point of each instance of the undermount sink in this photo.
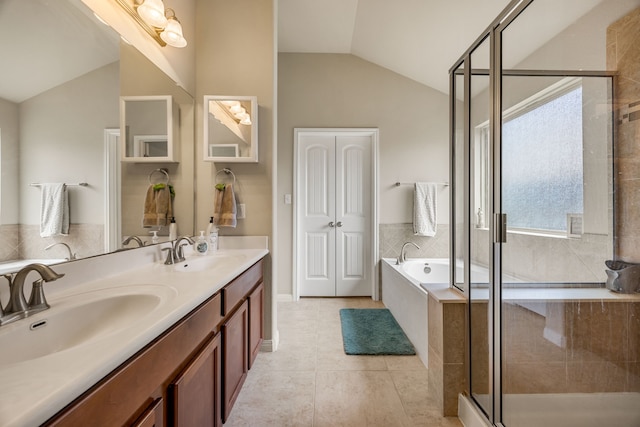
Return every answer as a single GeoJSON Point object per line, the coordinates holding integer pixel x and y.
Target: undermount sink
{"type": "Point", "coordinates": [201, 263]}
{"type": "Point", "coordinates": [79, 319]}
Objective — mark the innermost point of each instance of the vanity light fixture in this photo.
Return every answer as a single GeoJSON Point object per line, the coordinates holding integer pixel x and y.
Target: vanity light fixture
{"type": "Point", "coordinates": [237, 111]}
{"type": "Point", "coordinates": [159, 22]}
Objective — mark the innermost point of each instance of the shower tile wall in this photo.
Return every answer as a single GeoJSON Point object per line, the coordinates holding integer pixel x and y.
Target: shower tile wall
{"type": "Point", "coordinates": [393, 236]}
{"type": "Point", "coordinates": [623, 57]}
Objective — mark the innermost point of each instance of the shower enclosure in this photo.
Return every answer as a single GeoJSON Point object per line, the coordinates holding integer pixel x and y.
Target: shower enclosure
{"type": "Point", "coordinates": [545, 119]}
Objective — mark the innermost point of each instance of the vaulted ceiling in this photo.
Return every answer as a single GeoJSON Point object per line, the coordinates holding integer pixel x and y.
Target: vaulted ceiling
{"type": "Point", "coordinates": [420, 39]}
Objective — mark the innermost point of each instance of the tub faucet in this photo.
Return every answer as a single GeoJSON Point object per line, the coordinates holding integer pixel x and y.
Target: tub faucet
{"type": "Point", "coordinates": [17, 308]}
{"type": "Point", "coordinates": [135, 238]}
{"type": "Point", "coordinates": [403, 257]}
{"type": "Point", "coordinates": [71, 256]}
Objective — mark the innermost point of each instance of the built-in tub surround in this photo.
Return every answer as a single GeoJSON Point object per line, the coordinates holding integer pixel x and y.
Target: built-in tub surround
{"type": "Point", "coordinates": [431, 322]}
{"type": "Point", "coordinates": [36, 389]}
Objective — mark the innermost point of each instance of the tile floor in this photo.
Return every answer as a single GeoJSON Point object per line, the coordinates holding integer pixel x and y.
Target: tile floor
{"type": "Point", "coordinates": [309, 381]}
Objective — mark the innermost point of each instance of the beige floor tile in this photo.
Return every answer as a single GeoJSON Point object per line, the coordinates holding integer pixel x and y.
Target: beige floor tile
{"type": "Point", "coordinates": [310, 381]}
{"type": "Point", "coordinates": [357, 398]}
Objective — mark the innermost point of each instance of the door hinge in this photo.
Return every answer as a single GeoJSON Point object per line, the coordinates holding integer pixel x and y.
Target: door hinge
{"type": "Point", "coordinates": [499, 228]}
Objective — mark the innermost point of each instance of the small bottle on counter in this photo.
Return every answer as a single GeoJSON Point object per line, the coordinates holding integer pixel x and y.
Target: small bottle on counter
{"type": "Point", "coordinates": [173, 229]}
{"type": "Point", "coordinates": [201, 246]}
{"type": "Point", "coordinates": [212, 234]}
{"type": "Point", "coordinates": [154, 238]}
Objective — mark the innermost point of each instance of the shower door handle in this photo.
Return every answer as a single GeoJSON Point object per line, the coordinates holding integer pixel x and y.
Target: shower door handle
{"type": "Point", "coordinates": [500, 228]}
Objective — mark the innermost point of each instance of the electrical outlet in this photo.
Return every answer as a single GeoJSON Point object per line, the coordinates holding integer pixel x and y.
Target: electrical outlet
{"type": "Point", "coordinates": [241, 211]}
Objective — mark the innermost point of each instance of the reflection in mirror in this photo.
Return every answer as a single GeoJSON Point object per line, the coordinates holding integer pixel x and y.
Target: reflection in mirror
{"type": "Point", "coordinates": [148, 125]}
{"type": "Point", "coordinates": [231, 129]}
{"type": "Point", "coordinates": [59, 104]}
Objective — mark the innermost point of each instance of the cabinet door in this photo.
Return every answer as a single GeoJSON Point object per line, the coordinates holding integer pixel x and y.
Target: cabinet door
{"type": "Point", "coordinates": [256, 314]}
{"type": "Point", "coordinates": [195, 393]}
{"type": "Point", "coordinates": [152, 416]}
{"type": "Point", "coordinates": [235, 356]}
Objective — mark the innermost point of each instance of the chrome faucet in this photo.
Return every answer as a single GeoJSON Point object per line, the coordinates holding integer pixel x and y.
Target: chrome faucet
{"type": "Point", "coordinates": [135, 238]}
{"type": "Point", "coordinates": [71, 256]}
{"type": "Point", "coordinates": [17, 308]}
{"type": "Point", "coordinates": [175, 253]}
{"type": "Point", "coordinates": [403, 257]}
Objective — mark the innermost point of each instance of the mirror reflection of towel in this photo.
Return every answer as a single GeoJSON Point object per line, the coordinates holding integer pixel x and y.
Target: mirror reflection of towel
{"type": "Point", "coordinates": [424, 208]}
{"type": "Point", "coordinates": [224, 214]}
{"type": "Point", "coordinates": [54, 210]}
{"type": "Point", "coordinates": [158, 205]}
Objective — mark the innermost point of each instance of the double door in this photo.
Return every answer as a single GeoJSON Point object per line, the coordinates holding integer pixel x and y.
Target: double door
{"type": "Point", "coordinates": [334, 193]}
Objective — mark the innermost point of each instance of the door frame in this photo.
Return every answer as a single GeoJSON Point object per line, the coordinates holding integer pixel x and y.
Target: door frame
{"type": "Point", "coordinates": [375, 134]}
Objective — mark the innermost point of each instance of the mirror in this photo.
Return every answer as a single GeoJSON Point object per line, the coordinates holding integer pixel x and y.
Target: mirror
{"type": "Point", "coordinates": [148, 123]}
{"type": "Point", "coordinates": [231, 129]}
{"type": "Point", "coordinates": [59, 108]}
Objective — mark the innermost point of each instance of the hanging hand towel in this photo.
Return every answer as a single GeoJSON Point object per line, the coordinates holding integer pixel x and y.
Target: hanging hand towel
{"type": "Point", "coordinates": [424, 209]}
{"type": "Point", "coordinates": [225, 207]}
{"type": "Point", "coordinates": [54, 210]}
{"type": "Point", "coordinates": [158, 205]}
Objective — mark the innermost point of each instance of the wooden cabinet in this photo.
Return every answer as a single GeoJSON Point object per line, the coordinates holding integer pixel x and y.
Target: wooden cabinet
{"type": "Point", "coordinates": [195, 394]}
{"type": "Point", "coordinates": [189, 376]}
{"type": "Point", "coordinates": [256, 316]}
{"type": "Point", "coordinates": [152, 417]}
{"type": "Point", "coordinates": [235, 332]}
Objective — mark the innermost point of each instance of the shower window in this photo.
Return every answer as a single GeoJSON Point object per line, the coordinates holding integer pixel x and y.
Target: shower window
{"type": "Point", "coordinates": [542, 146]}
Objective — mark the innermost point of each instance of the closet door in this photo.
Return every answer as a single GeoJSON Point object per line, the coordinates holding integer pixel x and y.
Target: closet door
{"type": "Point", "coordinates": [316, 204]}
{"type": "Point", "coordinates": [334, 212]}
{"type": "Point", "coordinates": [353, 215]}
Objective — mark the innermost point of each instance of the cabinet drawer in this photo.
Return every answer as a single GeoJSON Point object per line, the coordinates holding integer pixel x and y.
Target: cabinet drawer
{"type": "Point", "coordinates": [236, 291]}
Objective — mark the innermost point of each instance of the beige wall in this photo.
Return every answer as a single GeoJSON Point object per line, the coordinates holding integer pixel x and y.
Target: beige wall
{"type": "Point", "coordinates": [235, 56]}
{"type": "Point", "coordinates": [139, 76]}
{"type": "Point", "coordinates": [9, 146]}
{"type": "Point", "coordinates": [339, 90]}
{"type": "Point", "coordinates": [66, 144]}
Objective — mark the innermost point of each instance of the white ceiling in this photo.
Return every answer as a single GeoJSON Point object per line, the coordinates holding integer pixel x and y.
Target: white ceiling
{"type": "Point", "coordinates": [420, 39]}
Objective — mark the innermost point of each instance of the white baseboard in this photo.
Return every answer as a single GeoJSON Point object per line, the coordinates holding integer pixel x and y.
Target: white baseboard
{"type": "Point", "coordinates": [285, 297]}
{"type": "Point", "coordinates": [270, 346]}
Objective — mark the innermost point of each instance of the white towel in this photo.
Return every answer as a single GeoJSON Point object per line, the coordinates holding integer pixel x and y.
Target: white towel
{"type": "Point", "coordinates": [424, 208]}
{"type": "Point", "coordinates": [54, 210]}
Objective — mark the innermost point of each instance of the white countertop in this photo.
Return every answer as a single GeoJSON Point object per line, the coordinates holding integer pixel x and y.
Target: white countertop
{"type": "Point", "coordinates": [34, 390]}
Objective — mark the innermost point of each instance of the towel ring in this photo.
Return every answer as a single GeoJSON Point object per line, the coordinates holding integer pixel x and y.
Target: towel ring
{"type": "Point", "coordinates": [163, 171]}
{"type": "Point", "coordinates": [228, 172]}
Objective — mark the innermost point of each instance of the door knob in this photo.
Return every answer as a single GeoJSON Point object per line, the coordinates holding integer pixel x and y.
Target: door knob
{"type": "Point", "coordinates": [331, 224]}
{"type": "Point", "coordinates": [339, 224]}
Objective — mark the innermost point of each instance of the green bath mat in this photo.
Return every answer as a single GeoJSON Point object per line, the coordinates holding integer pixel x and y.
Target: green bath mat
{"type": "Point", "coordinates": [373, 331]}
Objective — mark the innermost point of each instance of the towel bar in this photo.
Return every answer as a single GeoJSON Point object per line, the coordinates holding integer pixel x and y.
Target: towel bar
{"type": "Point", "coordinates": [398, 184]}
{"type": "Point", "coordinates": [81, 184]}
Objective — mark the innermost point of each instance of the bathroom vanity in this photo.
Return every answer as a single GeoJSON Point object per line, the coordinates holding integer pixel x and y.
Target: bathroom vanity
{"type": "Point", "coordinates": [187, 337]}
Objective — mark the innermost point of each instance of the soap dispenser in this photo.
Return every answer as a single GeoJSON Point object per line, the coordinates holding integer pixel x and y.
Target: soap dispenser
{"type": "Point", "coordinates": [201, 246]}
{"type": "Point", "coordinates": [173, 229]}
{"type": "Point", "coordinates": [154, 238]}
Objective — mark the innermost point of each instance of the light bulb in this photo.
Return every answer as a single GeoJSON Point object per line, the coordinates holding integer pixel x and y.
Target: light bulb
{"type": "Point", "coordinates": [152, 12]}
{"type": "Point", "coordinates": [236, 109]}
{"type": "Point", "coordinates": [172, 34]}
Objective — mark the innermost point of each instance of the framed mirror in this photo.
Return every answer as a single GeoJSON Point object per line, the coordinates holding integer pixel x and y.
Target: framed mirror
{"type": "Point", "coordinates": [231, 129]}
{"type": "Point", "coordinates": [149, 125]}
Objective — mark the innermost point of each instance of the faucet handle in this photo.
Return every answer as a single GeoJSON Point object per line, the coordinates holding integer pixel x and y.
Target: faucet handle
{"type": "Point", "coordinates": [170, 256]}
{"type": "Point", "coordinates": [37, 300]}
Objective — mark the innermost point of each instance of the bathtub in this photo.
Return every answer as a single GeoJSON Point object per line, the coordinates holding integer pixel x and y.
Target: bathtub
{"type": "Point", "coordinates": [407, 300]}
